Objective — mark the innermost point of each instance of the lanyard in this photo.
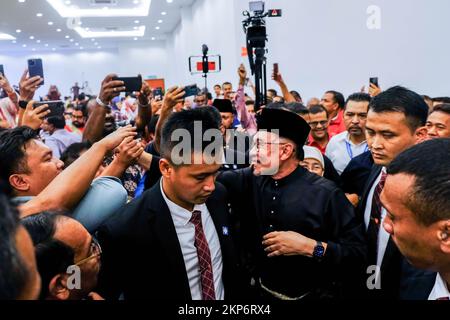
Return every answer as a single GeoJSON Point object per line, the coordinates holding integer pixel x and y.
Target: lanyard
{"type": "Point", "coordinates": [349, 149]}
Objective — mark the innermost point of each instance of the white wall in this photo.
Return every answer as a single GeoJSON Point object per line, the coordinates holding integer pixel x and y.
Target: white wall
{"type": "Point", "coordinates": [67, 67]}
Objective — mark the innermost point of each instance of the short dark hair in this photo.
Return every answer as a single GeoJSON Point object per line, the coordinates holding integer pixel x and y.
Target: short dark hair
{"type": "Point", "coordinates": [400, 99]}
{"type": "Point", "coordinates": [273, 91]}
{"type": "Point", "coordinates": [441, 99]}
{"type": "Point", "coordinates": [338, 98]}
{"type": "Point", "coordinates": [226, 83]}
{"type": "Point", "coordinates": [249, 102]}
{"type": "Point", "coordinates": [52, 256]}
{"type": "Point", "coordinates": [73, 152]}
{"type": "Point", "coordinates": [359, 97]}
{"type": "Point", "coordinates": [14, 274]}
{"type": "Point", "coordinates": [444, 107]}
{"type": "Point", "coordinates": [82, 108]}
{"type": "Point", "coordinates": [57, 121]}
{"type": "Point", "coordinates": [217, 85]}
{"type": "Point", "coordinates": [186, 120]}
{"type": "Point", "coordinates": [297, 108]}
{"type": "Point", "coordinates": [296, 95]}
{"type": "Point", "coordinates": [12, 150]}
{"type": "Point", "coordinates": [429, 198]}
{"type": "Point", "coordinates": [318, 108]}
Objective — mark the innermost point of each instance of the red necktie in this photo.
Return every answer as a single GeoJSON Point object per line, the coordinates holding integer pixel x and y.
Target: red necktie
{"type": "Point", "coordinates": [375, 221]}
{"type": "Point", "coordinates": [204, 258]}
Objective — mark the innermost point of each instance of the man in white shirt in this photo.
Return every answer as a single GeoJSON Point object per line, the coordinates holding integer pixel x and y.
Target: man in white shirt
{"type": "Point", "coordinates": [59, 139]}
{"type": "Point", "coordinates": [346, 145]}
{"type": "Point", "coordinates": [417, 198]}
{"type": "Point", "coordinates": [395, 122]}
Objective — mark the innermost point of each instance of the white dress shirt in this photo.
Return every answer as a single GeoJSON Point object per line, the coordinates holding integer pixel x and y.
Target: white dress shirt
{"type": "Point", "coordinates": [383, 236]}
{"type": "Point", "coordinates": [440, 289]}
{"type": "Point", "coordinates": [186, 237]}
{"type": "Point", "coordinates": [340, 150]}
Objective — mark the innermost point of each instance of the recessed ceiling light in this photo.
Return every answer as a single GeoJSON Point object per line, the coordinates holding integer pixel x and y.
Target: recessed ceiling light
{"type": "Point", "coordinates": [67, 37]}
{"type": "Point", "coordinates": [87, 29]}
{"type": "Point", "coordinates": [160, 21]}
{"type": "Point", "coordinates": [31, 37]}
{"type": "Point", "coordinates": [135, 38]}
{"type": "Point", "coordinates": [153, 38]}
{"type": "Point", "coordinates": [80, 23]}
{"type": "Point", "coordinates": [46, 44]}
{"type": "Point", "coordinates": [163, 13]}
{"type": "Point", "coordinates": [135, 1]}
{"type": "Point", "coordinates": [24, 45]}
{"type": "Point", "coordinates": [92, 39]}
{"type": "Point", "coordinates": [39, 14]}
{"type": "Point", "coordinates": [136, 21]}
{"type": "Point", "coordinates": [157, 28]}
{"type": "Point", "coordinates": [67, 2]}
{"type": "Point", "coordinates": [81, 48]}
{"type": "Point", "coordinates": [135, 28]}
{"type": "Point", "coordinates": [58, 30]}
{"type": "Point", "coordinates": [18, 31]}
{"type": "Point", "coordinates": [99, 47]}
{"type": "Point", "coordinates": [77, 44]}
{"type": "Point", "coordinates": [38, 41]}
{"type": "Point", "coordinates": [14, 41]}
{"type": "Point", "coordinates": [169, 1]}
{"type": "Point", "coordinates": [21, 1]}
{"type": "Point", "coordinates": [71, 40]}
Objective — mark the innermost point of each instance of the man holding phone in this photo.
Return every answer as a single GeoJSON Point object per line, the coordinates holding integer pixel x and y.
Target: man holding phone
{"type": "Point", "coordinates": [8, 105]}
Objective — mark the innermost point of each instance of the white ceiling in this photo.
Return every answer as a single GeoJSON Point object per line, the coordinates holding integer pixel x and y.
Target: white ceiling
{"type": "Point", "coordinates": [37, 35]}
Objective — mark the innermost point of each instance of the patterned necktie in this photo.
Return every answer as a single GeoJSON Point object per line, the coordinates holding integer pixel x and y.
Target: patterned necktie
{"type": "Point", "coordinates": [204, 258]}
{"type": "Point", "coordinates": [375, 221]}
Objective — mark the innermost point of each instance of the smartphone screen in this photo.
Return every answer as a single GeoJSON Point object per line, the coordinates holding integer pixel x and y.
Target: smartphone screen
{"type": "Point", "coordinates": [35, 68]}
{"type": "Point", "coordinates": [374, 80]}
{"type": "Point", "coordinates": [275, 68]}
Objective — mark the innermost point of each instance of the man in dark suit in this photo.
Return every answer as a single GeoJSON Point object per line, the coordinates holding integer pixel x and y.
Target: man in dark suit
{"type": "Point", "coordinates": [175, 241]}
{"type": "Point", "coordinates": [395, 122]}
{"type": "Point", "coordinates": [417, 197]}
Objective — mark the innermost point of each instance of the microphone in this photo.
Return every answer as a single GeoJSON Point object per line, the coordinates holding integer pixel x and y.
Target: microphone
{"type": "Point", "coordinates": [205, 49]}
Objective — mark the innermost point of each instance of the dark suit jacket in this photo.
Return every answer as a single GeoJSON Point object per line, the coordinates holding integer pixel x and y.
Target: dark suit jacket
{"type": "Point", "coordinates": [399, 280]}
{"type": "Point", "coordinates": [355, 175]}
{"type": "Point", "coordinates": [142, 257]}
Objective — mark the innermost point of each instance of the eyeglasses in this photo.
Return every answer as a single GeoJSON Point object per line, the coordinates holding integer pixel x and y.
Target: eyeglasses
{"type": "Point", "coordinates": [314, 124]}
{"type": "Point", "coordinates": [95, 251]}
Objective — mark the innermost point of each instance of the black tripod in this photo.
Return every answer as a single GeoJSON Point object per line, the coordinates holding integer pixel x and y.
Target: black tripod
{"type": "Point", "coordinates": [260, 78]}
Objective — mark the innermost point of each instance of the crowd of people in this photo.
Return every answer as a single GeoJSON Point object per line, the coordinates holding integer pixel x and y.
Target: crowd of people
{"type": "Point", "coordinates": [132, 195]}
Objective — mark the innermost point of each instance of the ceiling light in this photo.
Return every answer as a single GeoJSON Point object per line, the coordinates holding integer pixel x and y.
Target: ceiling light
{"type": "Point", "coordinates": [67, 2]}
{"type": "Point", "coordinates": [50, 23]}
{"type": "Point", "coordinates": [160, 21]}
{"type": "Point", "coordinates": [38, 41]}
{"type": "Point", "coordinates": [21, 1]}
{"type": "Point", "coordinates": [14, 41]}
{"type": "Point", "coordinates": [163, 13]}
{"type": "Point", "coordinates": [31, 37]}
{"type": "Point", "coordinates": [81, 48]}
{"type": "Point", "coordinates": [169, 1]}
{"type": "Point", "coordinates": [135, 38]}
{"type": "Point", "coordinates": [77, 44]}
{"type": "Point", "coordinates": [67, 37]}
{"type": "Point", "coordinates": [135, 1]}
{"type": "Point", "coordinates": [66, 11]}
{"type": "Point", "coordinates": [53, 49]}
{"type": "Point", "coordinates": [71, 40]}
{"type": "Point", "coordinates": [87, 29]}
{"type": "Point", "coordinates": [5, 36]}
{"type": "Point", "coordinates": [34, 49]}
{"type": "Point", "coordinates": [135, 28]}
{"type": "Point", "coordinates": [157, 28]}
{"type": "Point", "coordinates": [153, 38]}
{"type": "Point", "coordinates": [80, 23]}
{"type": "Point", "coordinates": [92, 39]}
{"type": "Point", "coordinates": [136, 21]}
{"type": "Point", "coordinates": [18, 31]}
{"type": "Point", "coordinates": [99, 47]}
{"type": "Point", "coordinates": [24, 45]}
{"type": "Point", "coordinates": [39, 14]}
{"type": "Point", "coordinates": [58, 30]}
{"type": "Point", "coordinates": [96, 44]}
{"type": "Point", "coordinates": [46, 44]}
{"type": "Point", "coordinates": [108, 34]}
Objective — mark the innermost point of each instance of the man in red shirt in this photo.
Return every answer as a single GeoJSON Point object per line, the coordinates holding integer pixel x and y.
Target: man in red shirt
{"type": "Point", "coordinates": [334, 102]}
{"type": "Point", "coordinates": [318, 121]}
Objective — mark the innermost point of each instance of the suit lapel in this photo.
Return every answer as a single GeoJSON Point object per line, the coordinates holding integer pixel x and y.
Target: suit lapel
{"type": "Point", "coordinates": [166, 234]}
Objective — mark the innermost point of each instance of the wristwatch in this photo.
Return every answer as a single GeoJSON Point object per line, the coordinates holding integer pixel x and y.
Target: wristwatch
{"type": "Point", "coordinates": [23, 104]}
{"type": "Point", "coordinates": [319, 251]}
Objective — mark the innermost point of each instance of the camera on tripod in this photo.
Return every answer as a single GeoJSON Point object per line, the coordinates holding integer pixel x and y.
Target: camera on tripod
{"type": "Point", "coordinates": [255, 29]}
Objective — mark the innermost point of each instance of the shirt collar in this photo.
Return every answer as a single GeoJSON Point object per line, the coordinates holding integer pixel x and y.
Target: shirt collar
{"type": "Point", "coordinates": [180, 216]}
{"type": "Point", "coordinates": [440, 289]}
{"type": "Point", "coordinates": [347, 139]}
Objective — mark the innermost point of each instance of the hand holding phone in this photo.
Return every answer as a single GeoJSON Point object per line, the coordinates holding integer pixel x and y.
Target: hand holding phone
{"type": "Point", "coordinates": [131, 84]}
{"type": "Point", "coordinates": [191, 90]}
{"type": "Point", "coordinates": [374, 81]}
{"type": "Point", "coordinates": [276, 76]}
{"type": "Point", "coordinates": [56, 107]}
{"type": "Point", "coordinates": [2, 71]}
